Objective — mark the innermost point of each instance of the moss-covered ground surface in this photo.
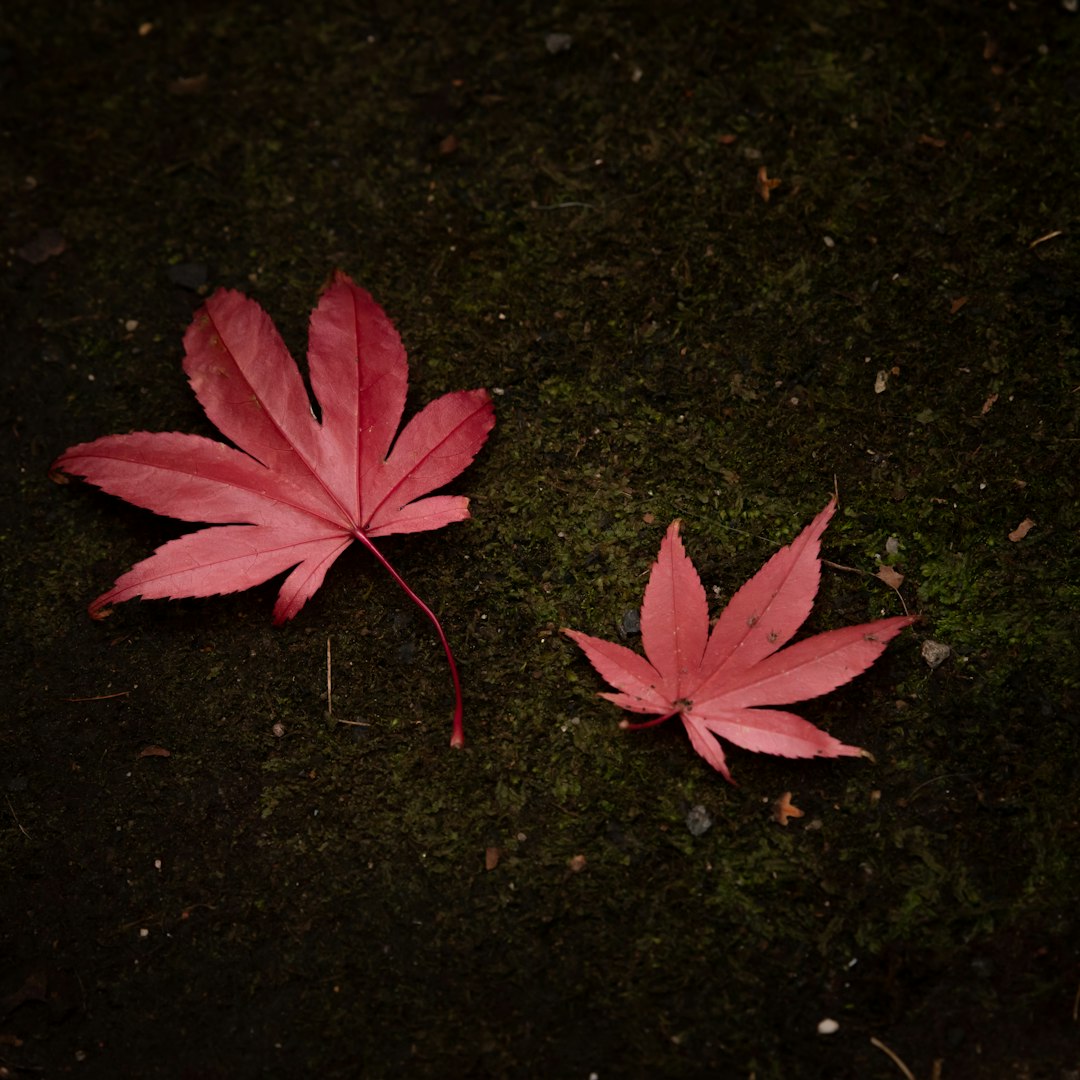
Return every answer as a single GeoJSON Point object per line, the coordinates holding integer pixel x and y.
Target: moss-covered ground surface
{"type": "Point", "coordinates": [577, 222]}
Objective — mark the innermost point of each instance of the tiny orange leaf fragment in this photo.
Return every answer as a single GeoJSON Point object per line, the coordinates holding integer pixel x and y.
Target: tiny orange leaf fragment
{"type": "Point", "coordinates": [764, 184]}
{"type": "Point", "coordinates": [576, 863]}
{"type": "Point", "coordinates": [1022, 530]}
{"type": "Point", "coordinates": [491, 858]}
{"type": "Point", "coordinates": [154, 751]}
{"type": "Point", "coordinates": [784, 808]}
{"type": "Point", "coordinates": [957, 304]}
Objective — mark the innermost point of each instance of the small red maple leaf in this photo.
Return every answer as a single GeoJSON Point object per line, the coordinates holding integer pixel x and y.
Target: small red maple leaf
{"type": "Point", "coordinates": [718, 681]}
{"type": "Point", "coordinates": [299, 490]}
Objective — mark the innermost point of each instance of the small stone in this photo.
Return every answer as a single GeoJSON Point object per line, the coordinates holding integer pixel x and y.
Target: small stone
{"type": "Point", "coordinates": [557, 43]}
{"type": "Point", "coordinates": [935, 653]}
{"type": "Point", "coordinates": [828, 1026]}
{"type": "Point", "coordinates": [698, 821]}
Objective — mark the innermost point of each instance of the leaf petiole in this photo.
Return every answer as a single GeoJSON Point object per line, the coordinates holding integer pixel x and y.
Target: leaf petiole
{"type": "Point", "coordinates": [627, 726]}
{"type": "Point", "coordinates": [457, 738]}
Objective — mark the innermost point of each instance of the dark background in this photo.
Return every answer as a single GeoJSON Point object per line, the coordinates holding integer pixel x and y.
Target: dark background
{"type": "Point", "coordinates": [577, 223]}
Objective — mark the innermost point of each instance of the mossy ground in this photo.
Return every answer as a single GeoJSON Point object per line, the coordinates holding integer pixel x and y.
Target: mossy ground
{"type": "Point", "coordinates": [579, 230]}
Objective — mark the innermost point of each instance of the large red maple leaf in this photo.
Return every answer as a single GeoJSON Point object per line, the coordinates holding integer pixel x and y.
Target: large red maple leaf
{"type": "Point", "coordinates": [718, 681]}
{"type": "Point", "coordinates": [299, 490]}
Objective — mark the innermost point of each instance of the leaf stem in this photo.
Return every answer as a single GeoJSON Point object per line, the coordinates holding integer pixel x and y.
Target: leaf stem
{"type": "Point", "coordinates": [457, 739]}
{"type": "Point", "coordinates": [627, 726]}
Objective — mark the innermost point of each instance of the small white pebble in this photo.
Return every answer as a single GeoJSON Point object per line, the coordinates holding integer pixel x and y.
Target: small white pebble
{"type": "Point", "coordinates": [278, 730]}
{"type": "Point", "coordinates": [935, 653]}
{"type": "Point", "coordinates": [828, 1026]}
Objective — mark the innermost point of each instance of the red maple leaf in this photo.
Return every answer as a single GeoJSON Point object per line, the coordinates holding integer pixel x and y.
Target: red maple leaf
{"type": "Point", "coordinates": [718, 681]}
{"type": "Point", "coordinates": [299, 491]}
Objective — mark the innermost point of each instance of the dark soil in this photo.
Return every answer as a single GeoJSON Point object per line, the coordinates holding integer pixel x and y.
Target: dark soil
{"type": "Point", "coordinates": [579, 224]}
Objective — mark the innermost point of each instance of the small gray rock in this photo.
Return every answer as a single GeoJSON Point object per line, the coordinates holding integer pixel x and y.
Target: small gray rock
{"type": "Point", "coordinates": [698, 821]}
{"type": "Point", "coordinates": [557, 43]}
{"type": "Point", "coordinates": [935, 653]}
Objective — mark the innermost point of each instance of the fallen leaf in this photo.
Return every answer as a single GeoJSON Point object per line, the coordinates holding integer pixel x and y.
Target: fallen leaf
{"type": "Point", "coordinates": [491, 858]}
{"type": "Point", "coordinates": [893, 578]}
{"type": "Point", "coordinates": [929, 140]}
{"type": "Point", "coordinates": [988, 404]}
{"type": "Point", "coordinates": [784, 809]}
{"type": "Point", "coordinates": [576, 863]}
{"type": "Point", "coordinates": [716, 682]}
{"type": "Point", "coordinates": [957, 304]}
{"type": "Point", "coordinates": [299, 491]}
{"type": "Point", "coordinates": [1022, 530]}
{"type": "Point", "coordinates": [154, 751]}
{"type": "Point", "coordinates": [764, 185]}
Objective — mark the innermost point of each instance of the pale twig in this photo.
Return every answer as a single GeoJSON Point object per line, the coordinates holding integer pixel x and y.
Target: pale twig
{"type": "Point", "coordinates": [908, 1074]}
{"type": "Point", "coordinates": [15, 818]}
{"type": "Point", "coordinates": [99, 697]}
